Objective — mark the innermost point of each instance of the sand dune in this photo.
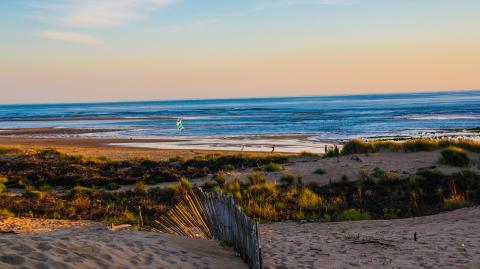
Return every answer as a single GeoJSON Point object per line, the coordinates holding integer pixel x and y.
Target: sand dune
{"type": "Point", "coordinates": [94, 246]}
{"type": "Point", "coordinates": [448, 240]}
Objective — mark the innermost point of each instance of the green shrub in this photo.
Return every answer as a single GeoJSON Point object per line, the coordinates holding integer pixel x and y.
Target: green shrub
{"type": "Point", "coordinates": [229, 167]}
{"type": "Point", "coordinates": [112, 186]}
{"type": "Point", "coordinates": [32, 194]}
{"type": "Point", "coordinates": [353, 214]}
{"type": "Point", "coordinates": [220, 178]}
{"type": "Point", "coordinates": [309, 154]}
{"type": "Point", "coordinates": [326, 218]}
{"type": "Point", "coordinates": [256, 178]}
{"type": "Point", "coordinates": [319, 171]}
{"type": "Point", "coordinates": [272, 167]}
{"type": "Point", "coordinates": [420, 145]}
{"type": "Point", "coordinates": [379, 173]}
{"type": "Point", "coordinates": [356, 146]}
{"type": "Point", "coordinates": [80, 190]}
{"type": "Point", "coordinates": [44, 187]}
{"type": "Point", "coordinates": [5, 213]}
{"type": "Point", "coordinates": [185, 184]}
{"type": "Point", "coordinates": [451, 204]}
{"type": "Point", "coordinates": [3, 181]}
{"type": "Point", "coordinates": [308, 199]}
{"type": "Point", "coordinates": [391, 213]}
{"type": "Point", "coordinates": [129, 217]}
{"type": "Point", "coordinates": [455, 156]}
{"type": "Point", "coordinates": [287, 179]}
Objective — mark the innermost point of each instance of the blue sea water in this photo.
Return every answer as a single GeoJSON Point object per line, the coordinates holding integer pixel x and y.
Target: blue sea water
{"type": "Point", "coordinates": [322, 117]}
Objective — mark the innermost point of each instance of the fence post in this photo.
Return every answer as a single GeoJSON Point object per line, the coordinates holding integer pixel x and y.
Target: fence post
{"type": "Point", "coordinates": [228, 223]}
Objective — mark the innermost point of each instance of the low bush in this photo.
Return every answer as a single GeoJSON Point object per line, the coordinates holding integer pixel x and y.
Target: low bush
{"type": "Point", "coordinates": [112, 186]}
{"type": "Point", "coordinates": [319, 171]}
{"type": "Point", "coordinates": [256, 178]}
{"type": "Point", "coordinates": [391, 213]}
{"type": "Point", "coordinates": [287, 179]}
{"type": "Point", "coordinates": [272, 167]}
{"type": "Point", "coordinates": [3, 181]}
{"type": "Point", "coordinates": [353, 214]}
{"type": "Point", "coordinates": [357, 146]}
{"type": "Point", "coordinates": [5, 213]}
{"type": "Point", "coordinates": [455, 156]}
{"type": "Point", "coordinates": [229, 167]}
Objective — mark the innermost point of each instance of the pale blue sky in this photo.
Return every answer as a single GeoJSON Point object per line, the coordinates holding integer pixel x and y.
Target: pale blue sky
{"type": "Point", "coordinates": [100, 50]}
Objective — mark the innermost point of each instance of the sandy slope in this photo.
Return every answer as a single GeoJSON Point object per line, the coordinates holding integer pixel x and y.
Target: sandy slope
{"type": "Point", "coordinates": [448, 240]}
{"type": "Point", "coordinates": [94, 246]}
{"type": "Point", "coordinates": [401, 164]}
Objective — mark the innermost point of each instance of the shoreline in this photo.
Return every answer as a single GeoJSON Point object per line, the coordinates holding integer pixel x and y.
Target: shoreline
{"type": "Point", "coordinates": [92, 138]}
{"type": "Point", "coordinates": [93, 141]}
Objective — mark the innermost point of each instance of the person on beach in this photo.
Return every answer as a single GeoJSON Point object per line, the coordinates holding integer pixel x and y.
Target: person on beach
{"type": "Point", "coordinates": [273, 148]}
{"type": "Point", "coordinates": [243, 146]}
{"type": "Point", "coordinates": [180, 125]}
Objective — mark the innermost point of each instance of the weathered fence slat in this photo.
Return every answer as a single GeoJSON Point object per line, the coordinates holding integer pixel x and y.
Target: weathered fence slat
{"type": "Point", "coordinates": [228, 223]}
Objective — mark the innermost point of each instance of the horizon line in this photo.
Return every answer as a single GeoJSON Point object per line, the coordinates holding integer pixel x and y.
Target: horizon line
{"type": "Point", "coordinates": [242, 98]}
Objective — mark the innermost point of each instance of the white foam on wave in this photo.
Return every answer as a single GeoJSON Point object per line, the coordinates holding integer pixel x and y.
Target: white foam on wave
{"type": "Point", "coordinates": [441, 117]}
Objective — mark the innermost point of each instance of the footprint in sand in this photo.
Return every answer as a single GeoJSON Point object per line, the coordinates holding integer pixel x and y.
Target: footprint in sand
{"type": "Point", "coordinates": [22, 248]}
{"type": "Point", "coordinates": [12, 259]}
{"type": "Point", "coordinates": [40, 257]}
{"type": "Point", "coordinates": [41, 266]}
{"type": "Point", "coordinates": [44, 246]}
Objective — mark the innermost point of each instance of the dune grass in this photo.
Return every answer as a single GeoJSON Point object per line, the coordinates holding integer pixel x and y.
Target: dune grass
{"type": "Point", "coordinates": [455, 156]}
{"type": "Point", "coordinates": [379, 195]}
{"type": "Point", "coordinates": [7, 150]}
{"type": "Point", "coordinates": [357, 146]}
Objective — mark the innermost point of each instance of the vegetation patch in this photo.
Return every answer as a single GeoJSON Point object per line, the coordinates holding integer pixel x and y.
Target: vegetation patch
{"type": "Point", "coordinates": [455, 156]}
{"type": "Point", "coordinates": [272, 167]}
{"type": "Point", "coordinates": [357, 146]}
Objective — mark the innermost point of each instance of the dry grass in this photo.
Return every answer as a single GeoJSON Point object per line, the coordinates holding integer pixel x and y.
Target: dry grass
{"type": "Point", "coordinates": [357, 146]}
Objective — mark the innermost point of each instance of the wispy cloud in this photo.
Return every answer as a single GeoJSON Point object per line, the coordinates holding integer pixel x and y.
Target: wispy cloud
{"type": "Point", "coordinates": [71, 37]}
{"type": "Point", "coordinates": [97, 13]}
{"type": "Point", "coordinates": [194, 26]}
{"type": "Point", "coordinates": [271, 4]}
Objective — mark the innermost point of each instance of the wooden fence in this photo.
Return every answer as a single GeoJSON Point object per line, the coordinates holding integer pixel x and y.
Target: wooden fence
{"type": "Point", "coordinates": [228, 223]}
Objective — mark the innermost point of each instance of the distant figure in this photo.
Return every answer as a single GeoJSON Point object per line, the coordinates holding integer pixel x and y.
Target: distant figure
{"type": "Point", "coordinates": [326, 148]}
{"type": "Point", "coordinates": [243, 146]}
{"type": "Point", "coordinates": [180, 125]}
{"type": "Point", "coordinates": [273, 148]}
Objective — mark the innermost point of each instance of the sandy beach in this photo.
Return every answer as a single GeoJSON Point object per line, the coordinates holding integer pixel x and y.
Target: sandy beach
{"type": "Point", "coordinates": [103, 147]}
{"type": "Point", "coordinates": [66, 244]}
{"type": "Point", "coordinates": [447, 240]}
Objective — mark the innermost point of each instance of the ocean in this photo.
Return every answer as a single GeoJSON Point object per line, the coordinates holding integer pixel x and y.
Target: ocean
{"type": "Point", "coordinates": [319, 118]}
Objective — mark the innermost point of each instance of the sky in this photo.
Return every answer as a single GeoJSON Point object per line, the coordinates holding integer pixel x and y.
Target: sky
{"type": "Point", "coordinates": [129, 50]}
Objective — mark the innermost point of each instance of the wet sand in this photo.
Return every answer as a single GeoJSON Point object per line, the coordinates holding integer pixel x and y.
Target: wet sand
{"type": "Point", "coordinates": [102, 147]}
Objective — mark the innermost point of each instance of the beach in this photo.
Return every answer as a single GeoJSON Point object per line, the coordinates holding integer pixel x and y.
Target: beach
{"type": "Point", "coordinates": [68, 244]}
{"type": "Point", "coordinates": [68, 180]}
{"type": "Point", "coordinates": [447, 240]}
